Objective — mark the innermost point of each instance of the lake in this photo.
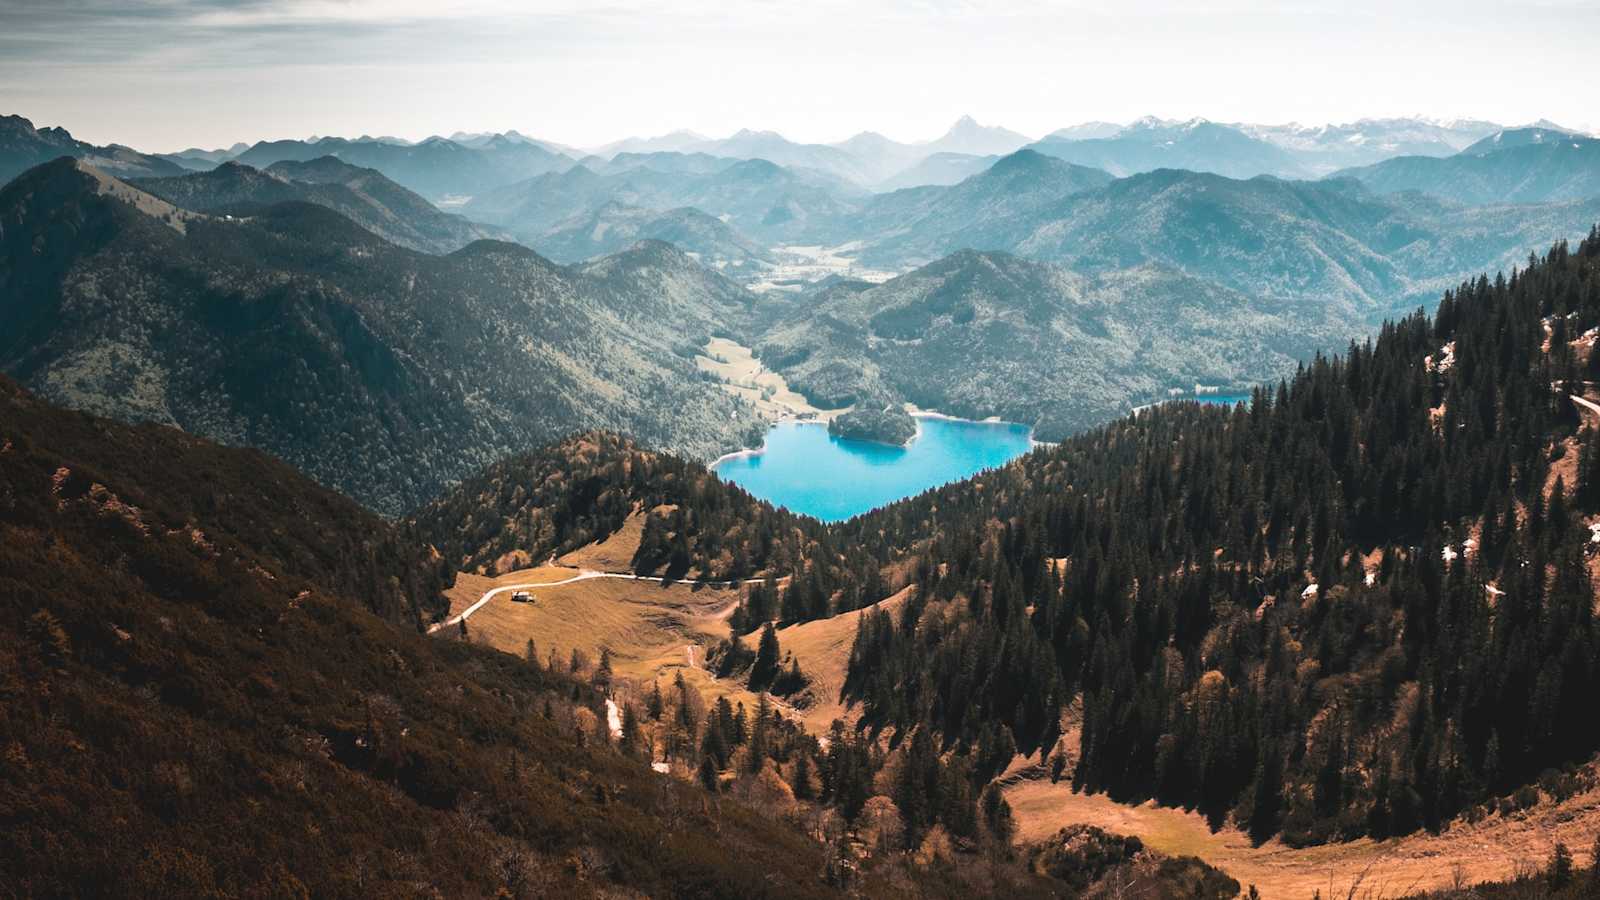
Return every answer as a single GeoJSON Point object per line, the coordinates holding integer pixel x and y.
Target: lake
{"type": "Point", "coordinates": [807, 470]}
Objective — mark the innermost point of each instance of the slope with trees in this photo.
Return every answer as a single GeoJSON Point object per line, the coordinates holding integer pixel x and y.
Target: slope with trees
{"type": "Point", "coordinates": [1358, 605]}
{"type": "Point", "coordinates": [380, 371]}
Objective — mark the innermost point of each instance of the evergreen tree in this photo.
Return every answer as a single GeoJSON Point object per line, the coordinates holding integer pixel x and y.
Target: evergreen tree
{"type": "Point", "coordinates": [655, 706]}
{"type": "Point", "coordinates": [801, 782]}
{"type": "Point", "coordinates": [632, 737]}
{"type": "Point", "coordinates": [766, 664]}
{"type": "Point", "coordinates": [708, 775]}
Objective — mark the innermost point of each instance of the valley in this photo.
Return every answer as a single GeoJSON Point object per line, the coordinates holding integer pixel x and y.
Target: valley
{"type": "Point", "coordinates": [796, 268]}
{"type": "Point", "coordinates": [1112, 509]}
{"type": "Point", "coordinates": [744, 376]}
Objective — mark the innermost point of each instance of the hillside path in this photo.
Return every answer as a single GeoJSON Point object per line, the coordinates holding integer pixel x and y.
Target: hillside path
{"type": "Point", "coordinates": [583, 575]}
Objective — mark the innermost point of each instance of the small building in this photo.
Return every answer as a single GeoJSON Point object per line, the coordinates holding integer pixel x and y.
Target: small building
{"type": "Point", "coordinates": [522, 597]}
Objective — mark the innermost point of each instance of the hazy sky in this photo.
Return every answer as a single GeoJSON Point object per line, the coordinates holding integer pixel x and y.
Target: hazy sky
{"type": "Point", "coordinates": [166, 74]}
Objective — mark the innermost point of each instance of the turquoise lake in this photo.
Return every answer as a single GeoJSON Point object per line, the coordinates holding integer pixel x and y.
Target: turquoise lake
{"type": "Point", "coordinates": [807, 470]}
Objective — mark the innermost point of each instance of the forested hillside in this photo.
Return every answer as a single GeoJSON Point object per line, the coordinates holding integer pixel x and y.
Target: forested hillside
{"type": "Point", "coordinates": [212, 684]}
{"type": "Point", "coordinates": [529, 507]}
{"type": "Point", "coordinates": [1359, 604]}
{"type": "Point", "coordinates": [379, 371]}
{"type": "Point", "coordinates": [364, 196]}
{"type": "Point", "coordinates": [197, 699]}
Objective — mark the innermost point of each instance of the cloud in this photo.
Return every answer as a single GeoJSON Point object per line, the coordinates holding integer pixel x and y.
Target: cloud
{"type": "Point", "coordinates": [178, 72]}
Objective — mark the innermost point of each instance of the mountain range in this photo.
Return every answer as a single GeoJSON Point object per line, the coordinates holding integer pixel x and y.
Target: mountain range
{"type": "Point", "coordinates": [1324, 242]}
{"type": "Point", "coordinates": [1266, 270]}
{"type": "Point", "coordinates": [980, 334]}
{"type": "Point", "coordinates": [1196, 145]}
{"type": "Point", "coordinates": [758, 197]}
{"type": "Point", "coordinates": [872, 161]}
{"type": "Point", "coordinates": [22, 146]}
{"type": "Point", "coordinates": [365, 196]}
{"type": "Point", "coordinates": [436, 168]}
{"type": "Point", "coordinates": [384, 372]}
{"type": "Point", "coordinates": [1527, 165]}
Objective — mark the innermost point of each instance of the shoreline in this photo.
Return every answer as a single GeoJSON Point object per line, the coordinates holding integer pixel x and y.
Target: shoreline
{"type": "Point", "coordinates": [912, 410]}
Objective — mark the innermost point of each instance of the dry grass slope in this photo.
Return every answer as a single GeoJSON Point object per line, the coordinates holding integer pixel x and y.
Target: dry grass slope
{"type": "Point", "coordinates": [1490, 850]}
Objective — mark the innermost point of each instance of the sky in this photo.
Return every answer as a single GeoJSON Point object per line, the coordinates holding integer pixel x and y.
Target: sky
{"type": "Point", "coordinates": [161, 75]}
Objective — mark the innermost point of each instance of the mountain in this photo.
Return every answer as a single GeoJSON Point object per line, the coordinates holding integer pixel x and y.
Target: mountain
{"type": "Point", "coordinates": [967, 137]}
{"type": "Point", "coordinates": [377, 370]}
{"type": "Point", "coordinates": [664, 161]}
{"type": "Point", "coordinates": [198, 160]}
{"type": "Point", "coordinates": [217, 655]}
{"type": "Point", "coordinates": [1323, 149]}
{"type": "Point", "coordinates": [364, 196]}
{"type": "Point", "coordinates": [1085, 131]}
{"type": "Point", "coordinates": [880, 157]}
{"type": "Point", "coordinates": [757, 197]}
{"type": "Point", "coordinates": [674, 142]}
{"type": "Point", "coordinates": [1328, 243]}
{"type": "Point", "coordinates": [981, 212]}
{"type": "Point", "coordinates": [1507, 139]}
{"type": "Point", "coordinates": [614, 227]}
{"type": "Point", "coordinates": [775, 148]}
{"type": "Point", "coordinates": [890, 164]}
{"type": "Point", "coordinates": [481, 139]}
{"type": "Point", "coordinates": [1518, 166]}
{"type": "Point", "coordinates": [22, 147]}
{"type": "Point", "coordinates": [1297, 266]}
{"type": "Point", "coordinates": [437, 168]}
{"type": "Point", "coordinates": [938, 169]}
{"type": "Point", "coordinates": [1196, 145]}
{"type": "Point", "coordinates": [981, 334]}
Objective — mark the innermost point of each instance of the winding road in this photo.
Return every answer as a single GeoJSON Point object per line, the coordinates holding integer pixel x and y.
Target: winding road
{"type": "Point", "coordinates": [583, 575]}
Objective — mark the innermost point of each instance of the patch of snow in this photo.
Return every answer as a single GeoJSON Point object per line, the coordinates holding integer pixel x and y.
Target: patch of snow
{"type": "Point", "coordinates": [1449, 553]}
{"type": "Point", "coordinates": [1372, 577]}
{"type": "Point", "coordinates": [614, 719]}
{"type": "Point", "coordinates": [1447, 358]}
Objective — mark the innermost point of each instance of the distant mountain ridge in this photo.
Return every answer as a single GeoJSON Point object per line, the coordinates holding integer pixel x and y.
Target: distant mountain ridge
{"type": "Point", "coordinates": [990, 334]}
{"type": "Point", "coordinates": [759, 197]}
{"type": "Point", "coordinates": [1528, 165]}
{"type": "Point", "coordinates": [436, 168]}
{"type": "Point", "coordinates": [22, 146]}
{"type": "Point", "coordinates": [1197, 145]}
{"type": "Point", "coordinates": [364, 195]}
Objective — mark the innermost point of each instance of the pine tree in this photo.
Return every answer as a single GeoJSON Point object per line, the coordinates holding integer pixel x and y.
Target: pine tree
{"type": "Point", "coordinates": [708, 774]}
{"type": "Point", "coordinates": [766, 664]}
{"type": "Point", "coordinates": [655, 706]}
{"type": "Point", "coordinates": [1559, 874]}
{"type": "Point", "coordinates": [801, 782]}
{"type": "Point", "coordinates": [632, 737]}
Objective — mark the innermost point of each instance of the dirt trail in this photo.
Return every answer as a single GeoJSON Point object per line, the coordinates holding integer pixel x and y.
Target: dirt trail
{"type": "Point", "coordinates": [584, 575]}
